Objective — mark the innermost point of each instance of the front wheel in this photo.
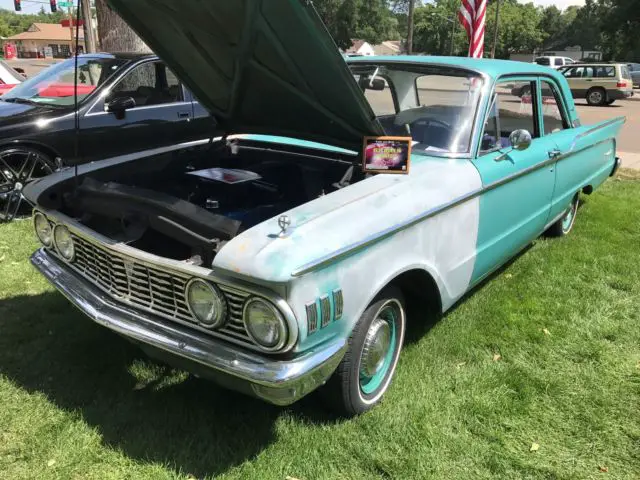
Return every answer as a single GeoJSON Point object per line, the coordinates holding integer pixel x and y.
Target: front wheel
{"type": "Point", "coordinates": [365, 372]}
{"type": "Point", "coordinates": [19, 166]}
{"type": "Point", "coordinates": [564, 225]}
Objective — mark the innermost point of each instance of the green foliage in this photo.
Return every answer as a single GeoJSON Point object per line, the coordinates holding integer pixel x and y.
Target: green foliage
{"type": "Point", "coordinates": [369, 20]}
{"type": "Point", "coordinates": [12, 23]}
{"type": "Point", "coordinates": [545, 352]}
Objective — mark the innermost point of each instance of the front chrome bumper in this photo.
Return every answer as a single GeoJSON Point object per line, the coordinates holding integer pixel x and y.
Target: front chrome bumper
{"type": "Point", "coordinates": [280, 382]}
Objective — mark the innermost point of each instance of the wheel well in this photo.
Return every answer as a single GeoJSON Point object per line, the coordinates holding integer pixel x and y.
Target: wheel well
{"type": "Point", "coordinates": [421, 293]}
{"type": "Point", "coordinates": [35, 146]}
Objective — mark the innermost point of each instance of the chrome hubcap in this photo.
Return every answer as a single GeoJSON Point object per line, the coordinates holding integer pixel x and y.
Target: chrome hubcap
{"type": "Point", "coordinates": [376, 347]}
{"type": "Point", "coordinates": [17, 169]}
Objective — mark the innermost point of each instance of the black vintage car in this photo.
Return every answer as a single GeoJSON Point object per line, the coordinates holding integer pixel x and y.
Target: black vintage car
{"type": "Point", "coordinates": [127, 103]}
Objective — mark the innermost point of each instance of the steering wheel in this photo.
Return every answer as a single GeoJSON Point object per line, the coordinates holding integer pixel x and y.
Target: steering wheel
{"type": "Point", "coordinates": [428, 121]}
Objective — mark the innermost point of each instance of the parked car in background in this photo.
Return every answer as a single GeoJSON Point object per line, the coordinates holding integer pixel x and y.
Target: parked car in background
{"type": "Point", "coordinates": [272, 262]}
{"type": "Point", "coordinates": [9, 77]}
{"type": "Point", "coordinates": [553, 62]}
{"type": "Point", "coordinates": [599, 83]}
{"type": "Point", "coordinates": [126, 103]}
{"type": "Point", "coordinates": [634, 69]}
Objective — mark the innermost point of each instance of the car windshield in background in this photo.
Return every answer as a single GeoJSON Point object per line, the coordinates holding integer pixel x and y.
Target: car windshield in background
{"type": "Point", "coordinates": [436, 106]}
{"type": "Point", "coordinates": [8, 73]}
{"type": "Point", "coordinates": [55, 85]}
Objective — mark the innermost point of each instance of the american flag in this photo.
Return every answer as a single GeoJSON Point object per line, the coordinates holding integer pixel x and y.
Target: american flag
{"type": "Point", "coordinates": [471, 15]}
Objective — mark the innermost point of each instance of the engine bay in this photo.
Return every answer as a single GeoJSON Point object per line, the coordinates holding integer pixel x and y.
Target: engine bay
{"type": "Point", "coordinates": [188, 210]}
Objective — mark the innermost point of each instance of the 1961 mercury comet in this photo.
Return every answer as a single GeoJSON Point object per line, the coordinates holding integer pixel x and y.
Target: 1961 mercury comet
{"type": "Point", "coordinates": [264, 257]}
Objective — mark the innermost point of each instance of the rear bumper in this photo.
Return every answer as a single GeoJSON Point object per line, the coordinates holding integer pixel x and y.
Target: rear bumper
{"type": "Point", "coordinates": [619, 94]}
{"type": "Point", "coordinates": [280, 382]}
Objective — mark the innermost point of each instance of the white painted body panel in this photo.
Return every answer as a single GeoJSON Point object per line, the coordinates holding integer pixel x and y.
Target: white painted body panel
{"type": "Point", "coordinates": [444, 245]}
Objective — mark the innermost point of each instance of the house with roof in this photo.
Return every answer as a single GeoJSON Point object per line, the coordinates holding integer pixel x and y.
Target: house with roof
{"type": "Point", "coordinates": [42, 37]}
{"type": "Point", "coordinates": [359, 47]}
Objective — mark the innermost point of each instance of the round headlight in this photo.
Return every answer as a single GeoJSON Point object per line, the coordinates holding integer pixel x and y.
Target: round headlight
{"type": "Point", "coordinates": [63, 242]}
{"type": "Point", "coordinates": [264, 324]}
{"type": "Point", "coordinates": [43, 229]}
{"type": "Point", "coordinates": [206, 303]}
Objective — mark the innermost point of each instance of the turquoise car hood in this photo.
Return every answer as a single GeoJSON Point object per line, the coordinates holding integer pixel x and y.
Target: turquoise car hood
{"type": "Point", "coordinates": [258, 66]}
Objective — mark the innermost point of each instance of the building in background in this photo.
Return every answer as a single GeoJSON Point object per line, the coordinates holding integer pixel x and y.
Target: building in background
{"type": "Point", "coordinates": [359, 47]}
{"type": "Point", "coordinates": [46, 37]}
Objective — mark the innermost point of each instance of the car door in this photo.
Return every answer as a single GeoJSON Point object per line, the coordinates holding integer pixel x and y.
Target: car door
{"type": "Point", "coordinates": [157, 113]}
{"type": "Point", "coordinates": [581, 160]}
{"type": "Point", "coordinates": [517, 185]}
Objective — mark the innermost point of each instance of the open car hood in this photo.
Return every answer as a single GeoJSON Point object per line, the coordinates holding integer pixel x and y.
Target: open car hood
{"type": "Point", "coordinates": [258, 66]}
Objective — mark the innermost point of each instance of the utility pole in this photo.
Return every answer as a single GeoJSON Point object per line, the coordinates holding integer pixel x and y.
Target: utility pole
{"type": "Point", "coordinates": [72, 47]}
{"type": "Point", "coordinates": [410, 27]}
{"type": "Point", "coordinates": [495, 32]}
{"type": "Point", "coordinates": [89, 33]}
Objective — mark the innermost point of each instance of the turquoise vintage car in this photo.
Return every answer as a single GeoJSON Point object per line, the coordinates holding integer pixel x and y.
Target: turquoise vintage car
{"type": "Point", "coordinates": [264, 257]}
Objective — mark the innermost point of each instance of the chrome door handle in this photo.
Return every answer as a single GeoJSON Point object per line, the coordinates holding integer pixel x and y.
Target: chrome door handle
{"type": "Point", "coordinates": [555, 153]}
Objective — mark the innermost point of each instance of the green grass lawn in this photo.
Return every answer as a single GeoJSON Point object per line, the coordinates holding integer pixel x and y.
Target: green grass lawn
{"type": "Point", "coordinates": [547, 352]}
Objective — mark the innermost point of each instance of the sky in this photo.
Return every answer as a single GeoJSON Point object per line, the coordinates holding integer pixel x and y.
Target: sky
{"type": "Point", "coordinates": [28, 7]}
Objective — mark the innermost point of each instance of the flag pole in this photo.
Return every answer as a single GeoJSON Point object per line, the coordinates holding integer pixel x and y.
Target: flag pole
{"type": "Point", "coordinates": [495, 31]}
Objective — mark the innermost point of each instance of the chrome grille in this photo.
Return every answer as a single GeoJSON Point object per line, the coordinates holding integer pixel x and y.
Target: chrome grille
{"type": "Point", "coordinates": [312, 317]}
{"type": "Point", "coordinates": [162, 293]}
{"type": "Point", "coordinates": [325, 311]}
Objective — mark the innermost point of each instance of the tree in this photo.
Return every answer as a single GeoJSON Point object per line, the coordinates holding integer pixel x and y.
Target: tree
{"type": "Point", "coordinates": [114, 33]}
{"type": "Point", "coordinates": [369, 20]}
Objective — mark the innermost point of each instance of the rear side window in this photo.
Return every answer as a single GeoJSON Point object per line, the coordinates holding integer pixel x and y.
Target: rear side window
{"type": "Point", "coordinates": [605, 72]}
{"type": "Point", "coordinates": [557, 61]}
{"type": "Point", "coordinates": [542, 61]}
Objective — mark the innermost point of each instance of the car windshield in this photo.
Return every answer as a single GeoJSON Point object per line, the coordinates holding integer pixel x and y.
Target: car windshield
{"type": "Point", "coordinates": [55, 85]}
{"type": "Point", "coordinates": [543, 61]}
{"type": "Point", "coordinates": [436, 106]}
{"type": "Point", "coordinates": [8, 74]}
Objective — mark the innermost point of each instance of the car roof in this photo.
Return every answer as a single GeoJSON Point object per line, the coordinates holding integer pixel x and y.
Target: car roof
{"type": "Point", "coordinates": [596, 64]}
{"type": "Point", "coordinates": [491, 67]}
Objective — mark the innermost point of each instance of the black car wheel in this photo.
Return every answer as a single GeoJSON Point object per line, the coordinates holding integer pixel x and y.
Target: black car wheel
{"type": "Point", "coordinates": [564, 224]}
{"type": "Point", "coordinates": [18, 167]}
{"type": "Point", "coordinates": [596, 96]}
{"type": "Point", "coordinates": [367, 368]}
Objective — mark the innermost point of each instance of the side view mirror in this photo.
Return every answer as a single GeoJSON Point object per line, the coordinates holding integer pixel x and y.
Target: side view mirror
{"type": "Point", "coordinates": [376, 84]}
{"type": "Point", "coordinates": [118, 105]}
{"type": "Point", "coordinates": [520, 140]}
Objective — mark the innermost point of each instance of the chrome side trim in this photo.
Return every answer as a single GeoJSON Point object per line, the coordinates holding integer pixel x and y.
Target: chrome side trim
{"type": "Point", "coordinates": [600, 126]}
{"type": "Point", "coordinates": [181, 269]}
{"type": "Point", "coordinates": [278, 381]}
{"type": "Point", "coordinates": [377, 237]}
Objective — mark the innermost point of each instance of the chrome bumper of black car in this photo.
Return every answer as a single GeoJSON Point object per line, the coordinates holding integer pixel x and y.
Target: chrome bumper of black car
{"type": "Point", "coordinates": [280, 382]}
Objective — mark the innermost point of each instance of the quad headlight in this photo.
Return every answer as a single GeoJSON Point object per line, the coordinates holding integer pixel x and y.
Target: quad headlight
{"type": "Point", "coordinates": [264, 324]}
{"type": "Point", "coordinates": [64, 243]}
{"type": "Point", "coordinates": [43, 229]}
{"type": "Point", "coordinates": [206, 303]}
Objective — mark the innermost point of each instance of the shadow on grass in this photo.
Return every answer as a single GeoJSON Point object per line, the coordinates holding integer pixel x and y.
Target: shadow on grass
{"type": "Point", "coordinates": [190, 424]}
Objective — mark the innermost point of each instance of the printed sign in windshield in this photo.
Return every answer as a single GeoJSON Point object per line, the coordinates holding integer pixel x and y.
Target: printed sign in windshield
{"type": "Point", "coordinates": [387, 154]}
